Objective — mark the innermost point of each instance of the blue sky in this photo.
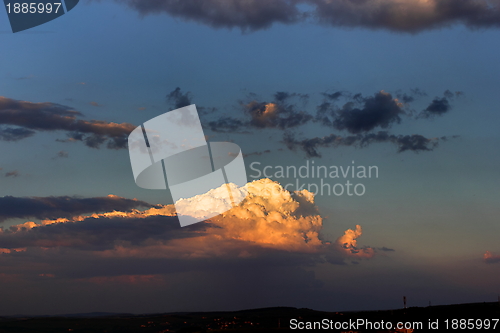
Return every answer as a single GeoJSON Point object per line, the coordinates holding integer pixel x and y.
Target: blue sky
{"type": "Point", "coordinates": [436, 209]}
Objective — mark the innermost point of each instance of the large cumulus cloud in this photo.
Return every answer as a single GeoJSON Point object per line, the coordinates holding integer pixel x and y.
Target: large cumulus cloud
{"type": "Point", "coordinates": [271, 226]}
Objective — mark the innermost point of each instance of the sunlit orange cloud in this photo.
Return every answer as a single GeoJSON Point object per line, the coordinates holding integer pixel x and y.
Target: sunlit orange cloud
{"type": "Point", "coordinates": [21, 249]}
{"type": "Point", "coordinates": [348, 244]}
{"type": "Point", "coordinates": [270, 217]}
{"type": "Point", "coordinates": [491, 258]}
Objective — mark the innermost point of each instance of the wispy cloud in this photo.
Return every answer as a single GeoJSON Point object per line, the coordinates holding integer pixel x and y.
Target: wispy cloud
{"type": "Point", "coordinates": [13, 174]}
{"type": "Point", "coordinates": [21, 119]}
{"type": "Point", "coordinates": [62, 206]}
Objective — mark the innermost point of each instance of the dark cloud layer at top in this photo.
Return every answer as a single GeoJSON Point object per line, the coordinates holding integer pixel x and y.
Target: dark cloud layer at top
{"type": "Point", "coordinates": [395, 15]}
{"type": "Point", "coordinates": [28, 118]}
{"type": "Point", "coordinates": [246, 15]}
{"type": "Point", "coordinates": [63, 206]}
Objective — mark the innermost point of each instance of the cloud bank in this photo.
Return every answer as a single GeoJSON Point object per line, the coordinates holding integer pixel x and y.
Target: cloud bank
{"type": "Point", "coordinates": [63, 206]}
{"type": "Point", "coordinates": [21, 119]}
{"type": "Point", "coordinates": [271, 226]}
{"type": "Point", "coordinates": [408, 16]}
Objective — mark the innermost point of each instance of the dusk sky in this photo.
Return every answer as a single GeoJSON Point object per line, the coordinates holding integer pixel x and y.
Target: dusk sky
{"type": "Point", "coordinates": [408, 87]}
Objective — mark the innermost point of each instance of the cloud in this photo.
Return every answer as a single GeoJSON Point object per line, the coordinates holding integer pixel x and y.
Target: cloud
{"type": "Point", "coordinates": [28, 118]}
{"type": "Point", "coordinates": [63, 206]}
{"type": "Point", "coordinates": [381, 110]}
{"type": "Point", "coordinates": [179, 99]}
{"type": "Point", "coordinates": [415, 142]}
{"type": "Point", "coordinates": [246, 15]}
{"type": "Point", "coordinates": [409, 16]}
{"type": "Point", "coordinates": [271, 228]}
{"type": "Point", "coordinates": [95, 104]}
{"type": "Point", "coordinates": [15, 134]}
{"type": "Point", "coordinates": [490, 258]}
{"type": "Point", "coordinates": [348, 244]}
{"type": "Point", "coordinates": [62, 154]}
{"type": "Point", "coordinates": [280, 113]}
{"type": "Point", "coordinates": [440, 105]}
{"type": "Point", "coordinates": [14, 174]}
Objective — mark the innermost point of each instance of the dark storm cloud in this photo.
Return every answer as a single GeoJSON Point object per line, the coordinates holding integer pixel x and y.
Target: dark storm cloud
{"type": "Point", "coordinates": [408, 16]}
{"type": "Point", "coordinates": [381, 110]}
{"type": "Point", "coordinates": [31, 117]}
{"type": "Point", "coordinates": [63, 206]}
{"type": "Point", "coordinates": [178, 99]}
{"type": "Point", "coordinates": [415, 142]}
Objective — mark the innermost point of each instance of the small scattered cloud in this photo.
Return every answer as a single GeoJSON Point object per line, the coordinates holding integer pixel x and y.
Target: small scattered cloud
{"type": "Point", "coordinates": [95, 104]}
{"type": "Point", "coordinates": [348, 244]}
{"type": "Point", "coordinates": [281, 113]}
{"type": "Point", "coordinates": [440, 105]}
{"type": "Point", "coordinates": [310, 146]}
{"type": "Point", "coordinates": [12, 174]}
{"type": "Point", "coordinates": [61, 154]}
{"type": "Point", "coordinates": [490, 258]}
{"type": "Point", "coordinates": [31, 76]}
{"type": "Point", "coordinates": [178, 99]}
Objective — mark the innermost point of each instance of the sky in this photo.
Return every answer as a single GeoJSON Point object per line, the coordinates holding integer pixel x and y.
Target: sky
{"type": "Point", "coordinates": [408, 87]}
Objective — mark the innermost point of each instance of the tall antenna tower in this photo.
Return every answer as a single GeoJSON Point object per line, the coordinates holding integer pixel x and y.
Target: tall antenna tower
{"type": "Point", "coordinates": [404, 301]}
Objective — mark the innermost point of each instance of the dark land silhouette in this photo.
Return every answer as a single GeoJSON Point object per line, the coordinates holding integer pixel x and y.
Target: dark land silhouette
{"type": "Point", "coordinates": [261, 320]}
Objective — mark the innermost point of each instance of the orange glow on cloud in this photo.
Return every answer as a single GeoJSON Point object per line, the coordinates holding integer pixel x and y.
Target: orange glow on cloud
{"type": "Point", "coordinates": [490, 257]}
{"type": "Point", "coordinates": [21, 249]}
{"type": "Point", "coordinates": [348, 244]}
{"type": "Point", "coordinates": [270, 217]}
